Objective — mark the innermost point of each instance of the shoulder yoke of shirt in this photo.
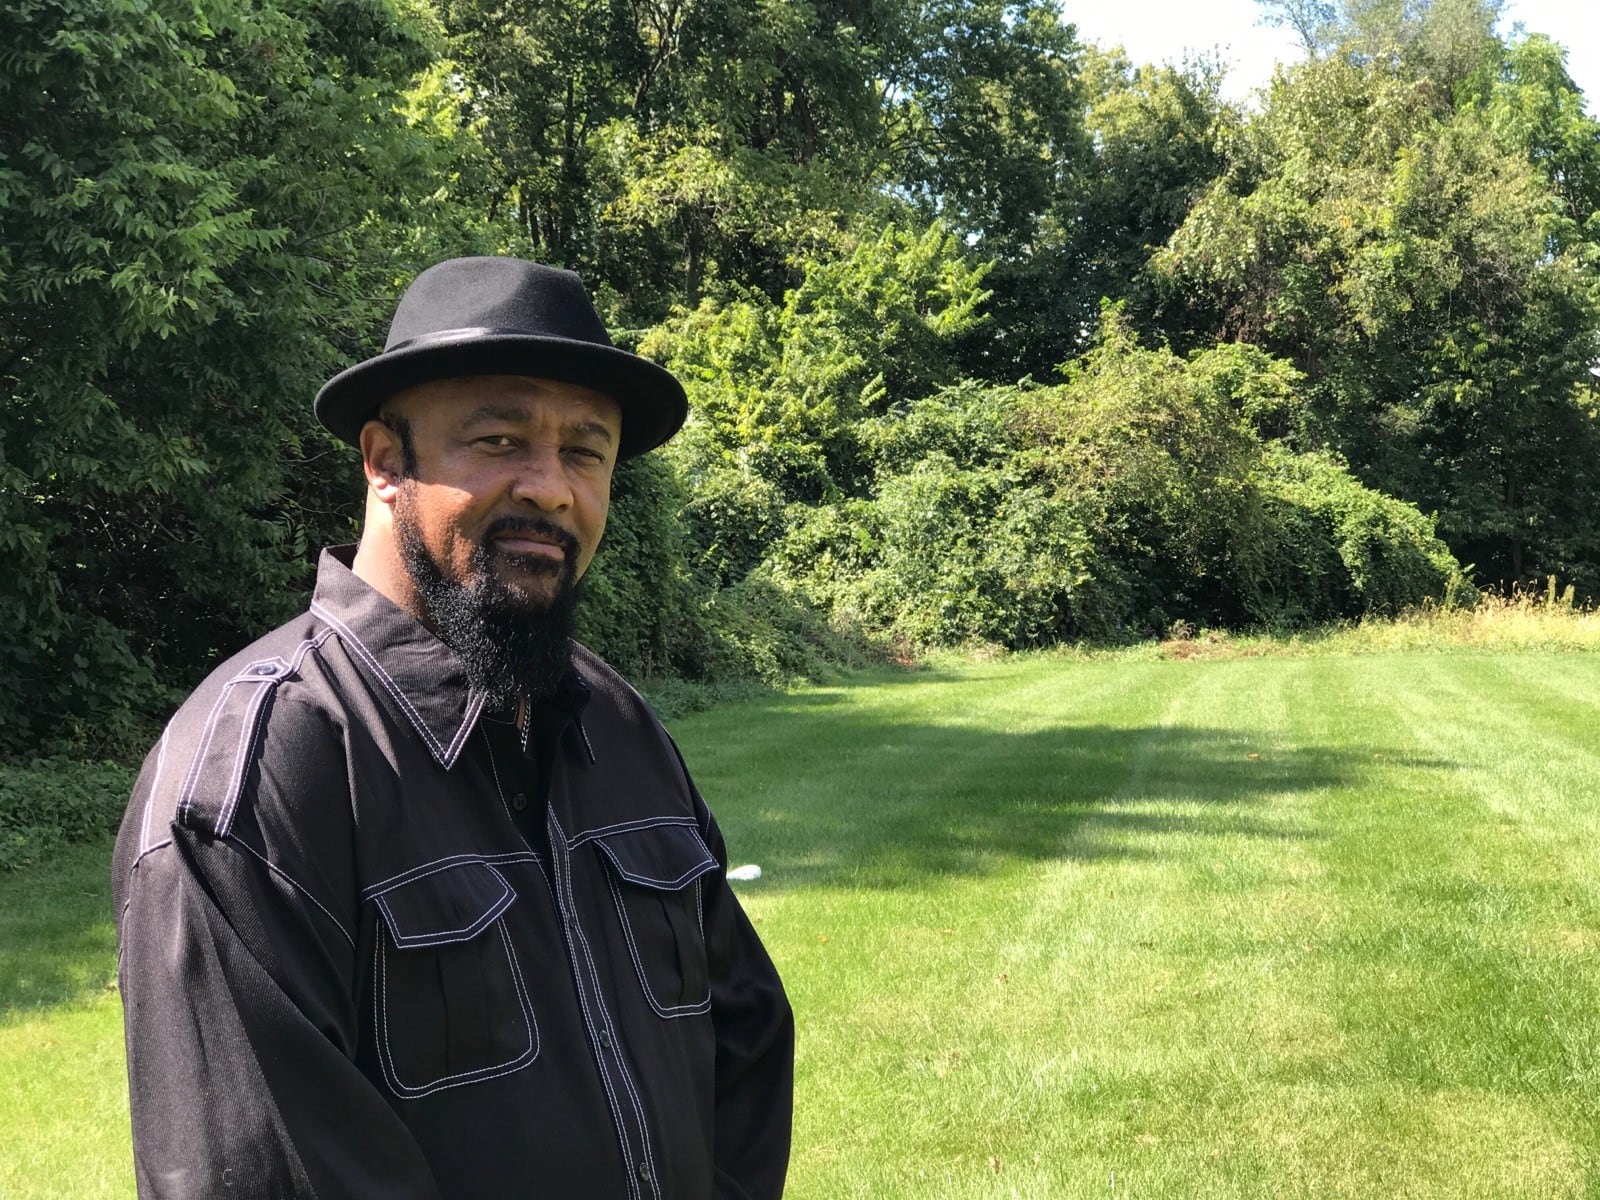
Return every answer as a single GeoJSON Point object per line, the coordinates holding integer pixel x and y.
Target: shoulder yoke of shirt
{"type": "Point", "coordinates": [202, 764]}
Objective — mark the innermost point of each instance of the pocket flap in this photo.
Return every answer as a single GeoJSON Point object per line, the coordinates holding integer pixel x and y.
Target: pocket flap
{"type": "Point", "coordinates": [664, 857]}
{"type": "Point", "coordinates": [453, 904]}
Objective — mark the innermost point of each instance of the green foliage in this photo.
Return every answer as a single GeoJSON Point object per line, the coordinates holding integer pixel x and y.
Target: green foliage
{"type": "Point", "coordinates": [864, 331]}
{"type": "Point", "coordinates": [659, 605]}
{"type": "Point", "coordinates": [50, 802]}
{"type": "Point", "coordinates": [1157, 137]}
{"type": "Point", "coordinates": [986, 116]}
{"type": "Point", "coordinates": [1343, 548]}
{"type": "Point", "coordinates": [189, 253]}
{"type": "Point", "coordinates": [850, 226]}
{"type": "Point", "coordinates": [734, 514]}
{"type": "Point", "coordinates": [638, 610]}
{"type": "Point", "coordinates": [1442, 40]}
{"type": "Point", "coordinates": [1419, 241]}
{"type": "Point", "coordinates": [1134, 495]}
{"type": "Point", "coordinates": [659, 148]}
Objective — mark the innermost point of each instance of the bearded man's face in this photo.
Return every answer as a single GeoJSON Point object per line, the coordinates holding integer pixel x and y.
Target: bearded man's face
{"type": "Point", "coordinates": [502, 503]}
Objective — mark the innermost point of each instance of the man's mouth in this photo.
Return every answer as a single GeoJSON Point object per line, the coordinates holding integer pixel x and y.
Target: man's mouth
{"type": "Point", "coordinates": [532, 539]}
{"type": "Point", "coordinates": [529, 547]}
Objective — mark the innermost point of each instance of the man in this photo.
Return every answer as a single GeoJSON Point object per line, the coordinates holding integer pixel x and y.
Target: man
{"type": "Point", "coordinates": [415, 897]}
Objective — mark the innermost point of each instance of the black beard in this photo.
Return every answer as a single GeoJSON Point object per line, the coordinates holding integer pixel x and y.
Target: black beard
{"type": "Point", "coordinates": [509, 646]}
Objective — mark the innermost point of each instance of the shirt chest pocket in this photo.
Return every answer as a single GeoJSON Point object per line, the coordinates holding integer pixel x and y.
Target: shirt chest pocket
{"type": "Point", "coordinates": [450, 1005]}
{"type": "Point", "coordinates": [655, 875]}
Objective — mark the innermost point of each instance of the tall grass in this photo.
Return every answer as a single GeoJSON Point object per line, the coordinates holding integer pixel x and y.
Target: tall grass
{"type": "Point", "coordinates": [1523, 619]}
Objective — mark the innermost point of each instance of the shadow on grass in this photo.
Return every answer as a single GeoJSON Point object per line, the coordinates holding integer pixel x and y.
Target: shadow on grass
{"type": "Point", "coordinates": [825, 796]}
{"type": "Point", "coordinates": [57, 942]}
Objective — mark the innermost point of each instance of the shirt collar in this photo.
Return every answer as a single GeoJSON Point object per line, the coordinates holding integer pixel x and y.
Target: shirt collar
{"type": "Point", "coordinates": [418, 672]}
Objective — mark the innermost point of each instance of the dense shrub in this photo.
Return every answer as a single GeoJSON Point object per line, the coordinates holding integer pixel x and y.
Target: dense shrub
{"type": "Point", "coordinates": [945, 555]}
{"type": "Point", "coordinates": [659, 603]}
{"type": "Point", "coordinates": [205, 207]}
{"type": "Point", "coordinates": [873, 326]}
{"type": "Point", "coordinates": [1355, 550]}
{"type": "Point", "coordinates": [52, 801]}
{"type": "Point", "coordinates": [1137, 494]}
{"type": "Point", "coordinates": [731, 518]}
{"type": "Point", "coordinates": [640, 602]}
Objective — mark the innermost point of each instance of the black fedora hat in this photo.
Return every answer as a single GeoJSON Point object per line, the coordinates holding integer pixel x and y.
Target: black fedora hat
{"type": "Point", "coordinates": [504, 316]}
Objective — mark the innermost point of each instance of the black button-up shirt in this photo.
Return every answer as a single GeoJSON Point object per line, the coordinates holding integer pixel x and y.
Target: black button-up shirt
{"type": "Point", "coordinates": [375, 942]}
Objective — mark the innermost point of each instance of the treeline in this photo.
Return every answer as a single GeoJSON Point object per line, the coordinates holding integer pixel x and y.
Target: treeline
{"type": "Point", "coordinates": [990, 333]}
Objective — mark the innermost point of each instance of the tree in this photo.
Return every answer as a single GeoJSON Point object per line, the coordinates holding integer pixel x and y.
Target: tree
{"type": "Point", "coordinates": [1444, 40]}
{"type": "Point", "coordinates": [1409, 244]}
{"type": "Point", "coordinates": [201, 209]}
{"type": "Point", "coordinates": [660, 146]}
{"type": "Point", "coordinates": [1133, 495]}
{"type": "Point", "coordinates": [1156, 138]}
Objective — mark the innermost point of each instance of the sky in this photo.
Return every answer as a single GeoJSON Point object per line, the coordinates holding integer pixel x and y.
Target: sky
{"type": "Point", "coordinates": [1158, 31]}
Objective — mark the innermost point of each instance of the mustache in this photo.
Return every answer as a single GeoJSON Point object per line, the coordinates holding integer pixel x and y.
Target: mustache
{"type": "Point", "coordinates": [533, 526]}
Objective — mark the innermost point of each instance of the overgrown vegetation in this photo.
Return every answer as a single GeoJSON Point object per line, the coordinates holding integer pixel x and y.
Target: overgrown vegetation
{"type": "Point", "coordinates": [990, 334]}
{"type": "Point", "coordinates": [49, 803]}
{"type": "Point", "coordinates": [1548, 620]}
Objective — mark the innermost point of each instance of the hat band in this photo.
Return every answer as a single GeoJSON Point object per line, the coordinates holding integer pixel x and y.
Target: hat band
{"type": "Point", "coordinates": [456, 335]}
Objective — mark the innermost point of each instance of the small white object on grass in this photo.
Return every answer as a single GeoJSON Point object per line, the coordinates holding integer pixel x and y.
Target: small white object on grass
{"type": "Point", "coordinates": [745, 873]}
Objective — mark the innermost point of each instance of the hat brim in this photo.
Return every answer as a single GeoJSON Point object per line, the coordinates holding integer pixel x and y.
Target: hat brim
{"type": "Point", "coordinates": [653, 403]}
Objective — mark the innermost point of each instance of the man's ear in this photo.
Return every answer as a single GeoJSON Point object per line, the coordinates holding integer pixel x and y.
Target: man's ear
{"type": "Point", "coordinates": [382, 460]}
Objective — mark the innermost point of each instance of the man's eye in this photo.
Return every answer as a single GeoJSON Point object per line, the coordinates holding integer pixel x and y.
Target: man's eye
{"type": "Point", "coordinates": [586, 453]}
{"type": "Point", "coordinates": [498, 441]}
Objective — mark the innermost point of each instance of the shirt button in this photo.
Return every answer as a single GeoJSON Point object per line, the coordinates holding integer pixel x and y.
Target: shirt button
{"type": "Point", "coordinates": [519, 802]}
{"type": "Point", "coordinates": [644, 1172]}
{"type": "Point", "coordinates": [605, 1038]}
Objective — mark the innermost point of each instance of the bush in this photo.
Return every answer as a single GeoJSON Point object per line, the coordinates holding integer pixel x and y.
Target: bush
{"type": "Point", "coordinates": [1136, 494]}
{"type": "Point", "coordinates": [1385, 555]}
{"type": "Point", "coordinates": [52, 801]}
{"type": "Point", "coordinates": [653, 615]}
{"type": "Point", "coordinates": [946, 555]}
{"type": "Point", "coordinates": [731, 518]}
{"type": "Point", "coordinates": [761, 630]}
{"type": "Point", "coordinates": [640, 600]}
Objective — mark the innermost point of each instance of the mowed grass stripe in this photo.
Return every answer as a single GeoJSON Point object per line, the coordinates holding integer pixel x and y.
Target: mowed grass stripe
{"type": "Point", "coordinates": [1326, 970]}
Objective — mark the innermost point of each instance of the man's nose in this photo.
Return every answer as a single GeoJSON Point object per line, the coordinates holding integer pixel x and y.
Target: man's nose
{"type": "Point", "coordinates": [542, 479]}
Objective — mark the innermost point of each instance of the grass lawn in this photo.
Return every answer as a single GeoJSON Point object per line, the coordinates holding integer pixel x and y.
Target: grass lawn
{"type": "Point", "coordinates": [1314, 926]}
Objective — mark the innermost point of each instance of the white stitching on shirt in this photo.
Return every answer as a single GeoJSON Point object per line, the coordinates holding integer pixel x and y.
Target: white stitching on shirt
{"type": "Point", "coordinates": [703, 867]}
{"type": "Point", "coordinates": [380, 1006]}
{"type": "Point", "coordinates": [441, 937]}
{"type": "Point", "coordinates": [144, 854]}
{"type": "Point", "coordinates": [653, 1178]}
{"type": "Point", "coordinates": [610, 1025]}
{"type": "Point", "coordinates": [570, 934]}
{"type": "Point", "coordinates": [234, 840]}
{"type": "Point", "coordinates": [251, 729]}
{"type": "Point", "coordinates": [192, 778]}
{"type": "Point", "coordinates": [469, 721]}
{"type": "Point", "coordinates": [443, 864]}
{"type": "Point", "coordinates": [150, 797]}
{"type": "Point", "coordinates": [251, 726]}
{"type": "Point", "coordinates": [579, 839]}
{"type": "Point", "coordinates": [666, 1011]}
{"type": "Point", "coordinates": [444, 755]}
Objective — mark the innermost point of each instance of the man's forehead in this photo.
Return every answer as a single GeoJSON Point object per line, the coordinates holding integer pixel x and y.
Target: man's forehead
{"type": "Point", "coordinates": [477, 399]}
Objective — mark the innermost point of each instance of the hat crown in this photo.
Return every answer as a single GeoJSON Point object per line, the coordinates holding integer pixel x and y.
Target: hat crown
{"type": "Point", "coordinates": [500, 295]}
{"type": "Point", "coordinates": [504, 316]}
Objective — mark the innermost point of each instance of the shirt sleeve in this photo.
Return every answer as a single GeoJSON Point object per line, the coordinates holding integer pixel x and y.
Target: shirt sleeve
{"type": "Point", "coordinates": [240, 1024]}
{"type": "Point", "coordinates": [755, 1045]}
